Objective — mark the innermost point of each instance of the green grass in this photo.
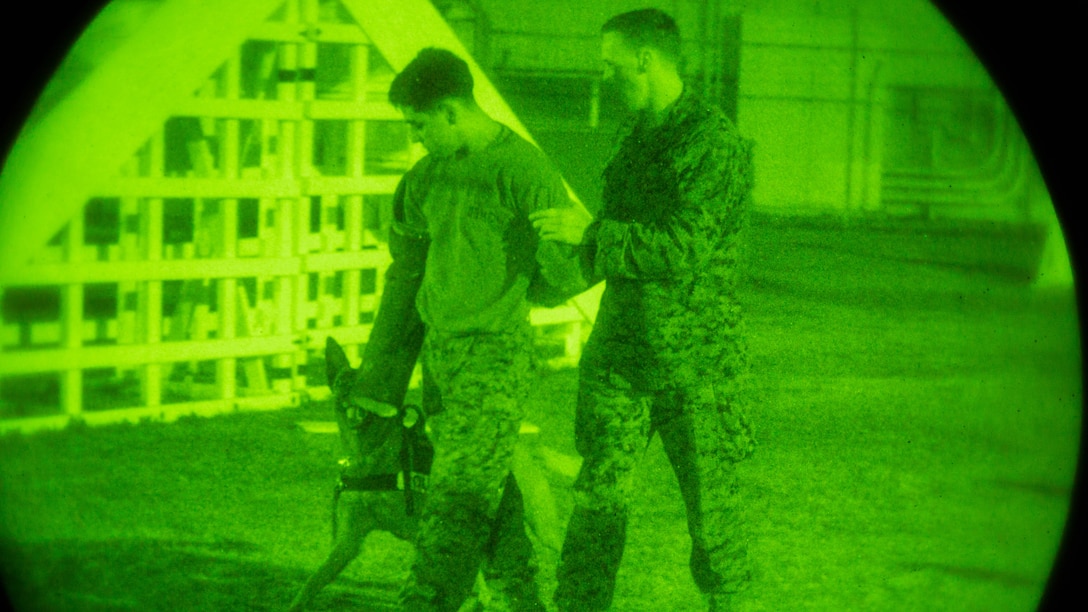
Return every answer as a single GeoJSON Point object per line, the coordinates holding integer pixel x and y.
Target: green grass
{"type": "Point", "coordinates": [917, 406]}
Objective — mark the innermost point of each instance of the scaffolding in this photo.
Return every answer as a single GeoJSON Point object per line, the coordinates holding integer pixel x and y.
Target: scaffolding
{"type": "Point", "coordinates": [206, 274]}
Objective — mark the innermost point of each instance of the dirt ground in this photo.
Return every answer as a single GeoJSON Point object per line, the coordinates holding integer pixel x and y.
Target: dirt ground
{"type": "Point", "coordinates": [917, 404]}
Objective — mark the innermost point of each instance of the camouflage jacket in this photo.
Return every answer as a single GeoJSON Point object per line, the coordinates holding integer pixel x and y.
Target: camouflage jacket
{"type": "Point", "coordinates": [667, 242]}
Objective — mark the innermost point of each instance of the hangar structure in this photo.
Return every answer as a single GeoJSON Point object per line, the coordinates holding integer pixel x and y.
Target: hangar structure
{"type": "Point", "coordinates": [201, 200]}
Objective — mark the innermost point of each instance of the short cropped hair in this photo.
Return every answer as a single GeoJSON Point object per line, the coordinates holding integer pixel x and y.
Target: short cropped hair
{"type": "Point", "coordinates": [647, 28]}
{"type": "Point", "coordinates": [433, 76]}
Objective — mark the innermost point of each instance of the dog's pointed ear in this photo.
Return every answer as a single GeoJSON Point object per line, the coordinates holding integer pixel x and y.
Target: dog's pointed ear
{"type": "Point", "coordinates": [336, 360]}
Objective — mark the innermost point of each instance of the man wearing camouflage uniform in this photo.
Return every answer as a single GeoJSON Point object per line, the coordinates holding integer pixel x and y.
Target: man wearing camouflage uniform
{"type": "Point", "coordinates": [466, 262]}
{"type": "Point", "coordinates": [667, 353]}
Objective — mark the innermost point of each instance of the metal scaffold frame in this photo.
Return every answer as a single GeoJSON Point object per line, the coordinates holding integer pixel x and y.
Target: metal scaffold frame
{"type": "Point", "coordinates": [205, 275]}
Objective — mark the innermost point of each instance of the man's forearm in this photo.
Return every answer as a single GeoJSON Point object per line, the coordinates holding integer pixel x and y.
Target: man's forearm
{"type": "Point", "coordinates": [559, 275]}
{"type": "Point", "coordinates": [397, 333]}
{"type": "Point", "coordinates": [638, 251]}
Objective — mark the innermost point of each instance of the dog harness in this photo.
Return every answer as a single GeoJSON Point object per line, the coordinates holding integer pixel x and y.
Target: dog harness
{"type": "Point", "coordinates": [415, 462]}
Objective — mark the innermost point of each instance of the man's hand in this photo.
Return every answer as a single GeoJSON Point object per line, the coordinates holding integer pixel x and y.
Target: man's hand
{"type": "Point", "coordinates": [562, 224]}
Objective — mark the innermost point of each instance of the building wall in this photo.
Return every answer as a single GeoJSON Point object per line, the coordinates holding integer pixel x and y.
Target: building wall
{"type": "Point", "coordinates": [868, 108]}
{"type": "Point", "coordinates": [857, 106]}
{"type": "Point", "coordinates": [570, 29]}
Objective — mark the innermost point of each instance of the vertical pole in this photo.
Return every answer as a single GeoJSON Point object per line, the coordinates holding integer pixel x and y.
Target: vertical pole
{"type": "Point", "coordinates": [304, 150]}
{"type": "Point", "coordinates": [196, 294]}
{"type": "Point", "coordinates": [72, 324]}
{"type": "Point", "coordinates": [72, 383]}
{"type": "Point", "coordinates": [153, 372]}
{"type": "Point", "coordinates": [304, 134]}
{"type": "Point", "coordinates": [289, 300]}
{"type": "Point", "coordinates": [286, 301]}
{"type": "Point", "coordinates": [353, 225]}
{"type": "Point", "coordinates": [302, 304]}
{"type": "Point", "coordinates": [851, 117]}
{"type": "Point", "coordinates": [230, 143]}
{"type": "Point", "coordinates": [228, 314]}
{"type": "Point", "coordinates": [354, 217]}
{"type": "Point", "coordinates": [151, 298]}
{"type": "Point", "coordinates": [227, 298]}
{"type": "Point", "coordinates": [873, 141]}
{"type": "Point", "coordinates": [127, 332]}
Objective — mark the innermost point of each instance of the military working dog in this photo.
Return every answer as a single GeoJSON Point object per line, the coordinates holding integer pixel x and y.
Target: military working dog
{"type": "Point", "coordinates": [382, 487]}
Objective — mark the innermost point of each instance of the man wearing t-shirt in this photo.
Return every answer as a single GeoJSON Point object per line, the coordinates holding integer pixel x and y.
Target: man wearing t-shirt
{"type": "Point", "coordinates": [467, 262]}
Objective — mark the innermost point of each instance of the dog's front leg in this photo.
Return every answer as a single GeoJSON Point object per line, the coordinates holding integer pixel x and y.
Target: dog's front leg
{"type": "Point", "coordinates": [357, 524]}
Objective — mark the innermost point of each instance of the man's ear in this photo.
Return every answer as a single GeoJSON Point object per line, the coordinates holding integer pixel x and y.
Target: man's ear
{"type": "Point", "coordinates": [448, 111]}
{"type": "Point", "coordinates": [645, 57]}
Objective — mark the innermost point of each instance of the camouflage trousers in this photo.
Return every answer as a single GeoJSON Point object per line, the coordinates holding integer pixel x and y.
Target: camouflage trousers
{"type": "Point", "coordinates": [473, 393]}
{"type": "Point", "coordinates": [704, 435]}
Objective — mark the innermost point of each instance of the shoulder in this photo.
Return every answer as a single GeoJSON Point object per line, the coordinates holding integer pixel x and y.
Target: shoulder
{"type": "Point", "coordinates": [700, 122]}
{"type": "Point", "coordinates": [518, 151]}
{"type": "Point", "coordinates": [702, 130]}
{"type": "Point", "coordinates": [420, 170]}
{"type": "Point", "coordinates": [418, 181]}
{"type": "Point", "coordinates": [521, 161]}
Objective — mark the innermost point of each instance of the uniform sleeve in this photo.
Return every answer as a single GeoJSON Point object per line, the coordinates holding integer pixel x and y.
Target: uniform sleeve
{"type": "Point", "coordinates": [397, 334]}
{"type": "Point", "coordinates": [558, 275]}
{"type": "Point", "coordinates": [714, 174]}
